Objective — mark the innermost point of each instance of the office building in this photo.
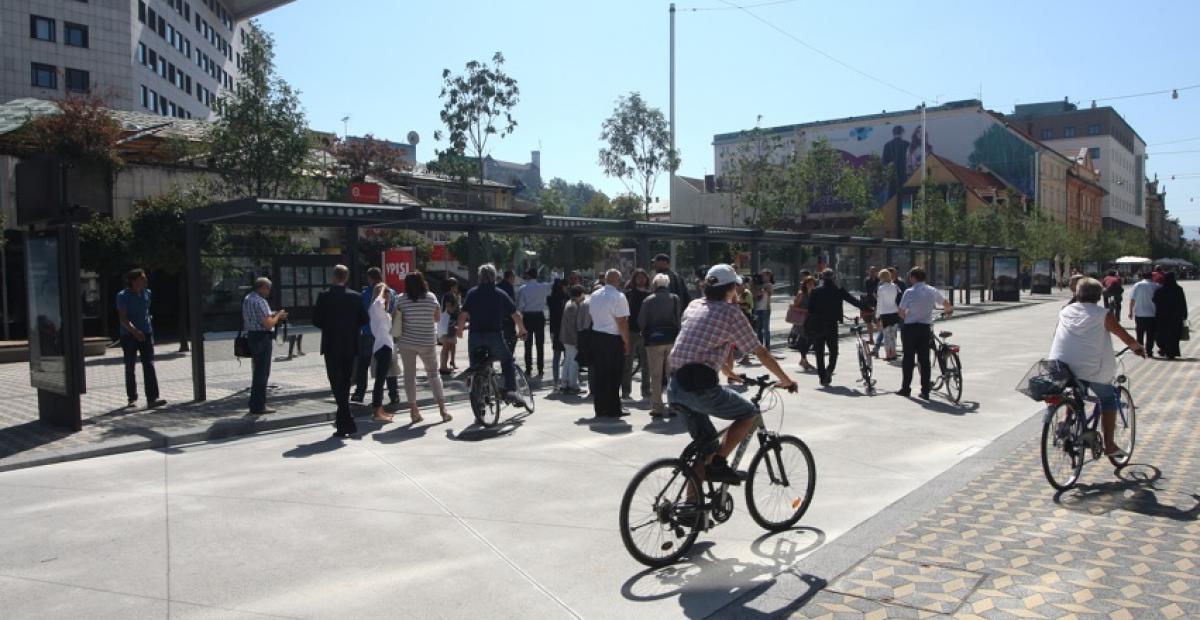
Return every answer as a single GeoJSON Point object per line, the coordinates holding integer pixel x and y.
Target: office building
{"type": "Point", "coordinates": [167, 57]}
{"type": "Point", "coordinates": [1116, 151]}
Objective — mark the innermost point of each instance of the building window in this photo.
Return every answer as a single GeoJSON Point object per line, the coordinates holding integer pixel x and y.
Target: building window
{"type": "Point", "coordinates": [1094, 152]}
{"type": "Point", "coordinates": [78, 81]}
{"type": "Point", "coordinates": [45, 76]}
{"type": "Point", "coordinates": [1047, 134]}
{"type": "Point", "coordinates": [151, 19]}
{"type": "Point", "coordinates": [141, 53]}
{"type": "Point", "coordinates": [1094, 129]}
{"type": "Point", "coordinates": [145, 97]}
{"type": "Point", "coordinates": [1068, 132]}
{"type": "Point", "coordinates": [75, 35]}
{"type": "Point", "coordinates": [41, 28]}
{"type": "Point", "coordinates": [142, 11]}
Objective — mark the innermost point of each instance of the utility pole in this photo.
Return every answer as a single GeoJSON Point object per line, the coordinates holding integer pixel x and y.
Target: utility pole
{"type": "Point", "coordinates": [671, 114]}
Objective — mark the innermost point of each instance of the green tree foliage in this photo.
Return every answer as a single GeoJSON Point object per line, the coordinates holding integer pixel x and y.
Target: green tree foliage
{"type": "Point", "coordinates": [83, 130]}
{"type": "Point", "coordinates": [759, 176]}
{"type": "Point", "coordinates": [260, 139]}
{"type": "Point", "coordinates": [368, 156]}
{"type": "Point", "coordinates": [626, 207]}
{"type": "Point", "coordinates": [374, 241]}
{"type": "Point", "coordinates": [551, 202]}
{"type": "Point", "coordinates": [637, 147]}
{"type": "Point", "coordinates": [105, 249]}
{"type": "Point", "coordinates": [477, 105]}
{"type": "Point", "coordinates": [598, 206]}
{"type": "Point", "coordinates": [575, 195]}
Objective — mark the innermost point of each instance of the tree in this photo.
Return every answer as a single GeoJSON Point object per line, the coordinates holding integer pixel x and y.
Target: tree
{"type": "Point", "coordinates": [83, 130]}
{"type": "Point", "coordinates": [758, 177]}
{"type": "Point", "coordinates": [637, 147]}
{"type": "Point", "coordinates": [159, 226]}
{"type": "Point", "coordinates": [575, 195]}
{"type": "Point", "coordinates": [260, 139]}
{"type": "Point", "coordinates": [551, 202]}
{"type": "Point", "coordinates": [477, 105]}
{"type": "Point", "coordinates": [598, 206]}
{"type": "Point", "coordinates": [105, 249]}
{"type": "Point", "coordinates": [626, 206]}
{"type": "Point", "coordinates": [822, 181]}
{"type": "Point", "coordinates": [368, 156]}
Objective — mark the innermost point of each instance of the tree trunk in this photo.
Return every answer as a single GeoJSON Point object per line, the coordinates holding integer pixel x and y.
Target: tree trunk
{"type": "Point", "coordinates": [184, 331]}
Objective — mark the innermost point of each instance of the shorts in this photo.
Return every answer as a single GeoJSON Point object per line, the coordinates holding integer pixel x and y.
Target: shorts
{"type": "Point", "coordinates": [1106, 393]}
{"type": "Point", "coordinates": [717, 402]}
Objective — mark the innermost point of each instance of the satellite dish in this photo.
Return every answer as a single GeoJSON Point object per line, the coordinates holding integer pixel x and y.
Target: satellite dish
{"type": "Point", "coordinates": [413, 137]}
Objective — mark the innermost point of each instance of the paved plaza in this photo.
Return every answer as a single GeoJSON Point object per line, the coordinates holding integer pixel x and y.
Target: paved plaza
{"type": "Point", "coordinates": [921, 509]}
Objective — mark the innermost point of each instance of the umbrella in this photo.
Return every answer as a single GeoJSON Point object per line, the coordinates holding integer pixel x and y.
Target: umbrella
{"type": "Point", "coordinates": [1174, 262]}
{"type": "Point", "coordinates": [1132, 260]}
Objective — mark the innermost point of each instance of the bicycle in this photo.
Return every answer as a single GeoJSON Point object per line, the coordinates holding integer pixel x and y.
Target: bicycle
{"type": "Point", "coordinates": [668, 517]}
{"type": "Point", "coordinates": [949, 364]}
{"type": "Point", "coordinates": [863, 347]}
{"type": "Point", "coordinates": [1069, 436]}
{"type": "Point", "coordinates": [487, 388]}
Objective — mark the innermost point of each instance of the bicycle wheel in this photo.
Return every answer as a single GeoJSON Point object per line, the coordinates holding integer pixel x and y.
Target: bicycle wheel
{"type": "Point", "coordinates": [782, 478]}
{"type": "Point", "coordinates": [523, 388]}
{"type": "Point", "coordinates": [1062, 454]}
{"type": "Point", "coordinates": [1126, 429]}
{"type": "Point", "coordinates": [952, 376]}
{"type": "Point", "coordinates": [864, 367]}
{"type": "Point", "coordinates": [485, 398]}
{"type": "Point", "coordinates": [658, 522]}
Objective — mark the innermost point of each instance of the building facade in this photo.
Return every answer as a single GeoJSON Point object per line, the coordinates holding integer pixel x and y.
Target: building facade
{"type": "Point", "coordinates": [962, 132]}
{"type": "Point", "coordinates": [526, 178]}
{"type": "Point", "coordinates": [963, 188]}
{"type": "Point", "coordinates": [1085, 195]}
{"type": "Point", "coordinates": [1156, 213]}
{"type": "Point", "coordinates": [1116, 150]}
{"type": "Point", "coordinates": [167, 57]}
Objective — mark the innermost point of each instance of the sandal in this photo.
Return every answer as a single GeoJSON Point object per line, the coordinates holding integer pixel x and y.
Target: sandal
{"type": "Point", "coordinates": [381, 416]}
{"type": "Point", "coordinates": [416, 418]}
{"type": "Point", "coordinates": [446, 417]}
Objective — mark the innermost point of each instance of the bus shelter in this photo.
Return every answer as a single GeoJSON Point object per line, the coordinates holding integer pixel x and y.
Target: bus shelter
{"type": "Point", "coordinates": [960, 267]}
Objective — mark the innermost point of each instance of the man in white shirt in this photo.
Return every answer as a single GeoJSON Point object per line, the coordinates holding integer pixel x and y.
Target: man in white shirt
{"type": "Point", "coordinates": [916, 309]}
{"type": "Point", "coordinates": [531, 303]}
{"type": "Point", "coordinates": [1141, 310]}
{"type": "Point", "coordinates": [609, 311]}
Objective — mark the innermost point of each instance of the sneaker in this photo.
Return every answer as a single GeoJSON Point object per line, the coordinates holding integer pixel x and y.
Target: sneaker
{"type": "Point", "coordinates": [132, 403]}
{"type": "Point", "coordinates": [905, 392]}
{"type": "Point", "coordinates": [156, 403]}
{"type": "Point", "coordinates": [720, 471]}
{"type": "Point", "coordinates": [357, 398]}
{"type": "Point", "coordinates": [924, 395]}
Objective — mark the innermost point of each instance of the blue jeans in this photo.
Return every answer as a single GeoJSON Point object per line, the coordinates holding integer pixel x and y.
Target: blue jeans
{"type": "Point", "coordinates": [764, 327]}
{"type": "Point", "coordinates": [715, 401]}
{"type": "Point", "coordinates": [497, 349]}
{"type": "Point", "coordinates": [1105, 393]}
{"type": "Point", "coordinates": [260, 368]}
{"type": "Point", "coordinates": [132, 349]}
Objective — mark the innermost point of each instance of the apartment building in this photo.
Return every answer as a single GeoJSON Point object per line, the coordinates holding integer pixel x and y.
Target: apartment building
{"type": "Point", "coordinates": [167, 57]}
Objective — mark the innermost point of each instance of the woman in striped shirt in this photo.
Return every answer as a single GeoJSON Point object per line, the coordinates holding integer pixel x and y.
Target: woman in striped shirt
{"type": "Point", "coordinates": [420, 313]}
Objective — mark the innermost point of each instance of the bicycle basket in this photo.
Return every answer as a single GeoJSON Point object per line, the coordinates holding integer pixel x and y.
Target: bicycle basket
{"type": "Point", "coordinates": [1044, 379]}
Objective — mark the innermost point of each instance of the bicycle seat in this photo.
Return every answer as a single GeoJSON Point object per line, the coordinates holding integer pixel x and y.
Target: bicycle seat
{"type": "Point", "coordinates": [945, 334]}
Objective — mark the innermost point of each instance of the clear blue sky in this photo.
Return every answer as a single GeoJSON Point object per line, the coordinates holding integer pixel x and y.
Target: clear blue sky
{"type": "Point", "coordinates": [380, 61]}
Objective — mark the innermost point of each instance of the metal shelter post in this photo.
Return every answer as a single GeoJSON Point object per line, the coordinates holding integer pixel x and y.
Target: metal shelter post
{"type": "Point", "coordinates": [568, 254]}
{"type": "Point", "coordinates": [702, 252]}
{"type": "Point", "coordinates": [643, 253]}
{"type": "Point", "coordinates": [473, 258]}
{"type": "Point", "coordinates": [755, 256]}
{"type": "Point", "coordinates": [195, 320]}
{"type": "Point", "coordinates": [797, 265]}
{"type": "Point", "coordinates": [350, 253]}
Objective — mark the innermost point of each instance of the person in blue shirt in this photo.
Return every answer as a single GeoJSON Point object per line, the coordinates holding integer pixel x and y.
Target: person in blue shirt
{"type": "Point", "coordinates": [137, 337]}
{"type": "Point", "coordinates": [367, 340]}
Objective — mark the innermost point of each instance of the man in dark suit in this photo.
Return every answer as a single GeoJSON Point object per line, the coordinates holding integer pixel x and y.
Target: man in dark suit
{"type": "Point", "coordinates": [340, 315]}
{"type": "Point", "coordinates": [895, 152]}
{"type": "Point", "coordinates": [824, 316]}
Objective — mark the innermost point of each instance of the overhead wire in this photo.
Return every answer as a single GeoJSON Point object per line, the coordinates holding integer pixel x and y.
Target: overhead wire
{"type": "Point", "coordinates": [828, 56]}
{"type": "Point", "coordinates": [697, 9]}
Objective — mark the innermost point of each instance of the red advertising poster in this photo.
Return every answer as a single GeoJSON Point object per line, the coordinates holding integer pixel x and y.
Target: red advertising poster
{"type": "Point", "coordinates": [439, 253]}
{"type": "Point", "coordinates": [397, 263]}
{"type": "Point", "coordinates": [367, 193]}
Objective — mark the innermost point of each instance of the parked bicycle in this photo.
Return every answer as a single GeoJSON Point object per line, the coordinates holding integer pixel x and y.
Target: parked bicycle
{"type": "Point", "coordinates": [949, 365]}
{"type": "Point", "coordinates": [862, 344]}
{"type": "Point", "coordinates": [1070, 437]}
{"type": "Point", "coordinates": [487, 389]}
{"type": "Point", "coordinates": [665, 506]}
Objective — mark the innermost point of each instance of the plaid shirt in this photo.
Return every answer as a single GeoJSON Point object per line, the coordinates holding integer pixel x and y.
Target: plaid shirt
{"type": "Point", "coordinates": [708, 331]}
{"type": "Point", "coordinates": [254, 310]}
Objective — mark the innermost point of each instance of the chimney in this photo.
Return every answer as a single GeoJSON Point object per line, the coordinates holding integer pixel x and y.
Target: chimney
{"type": "Point", "coordinates": [536, 158]}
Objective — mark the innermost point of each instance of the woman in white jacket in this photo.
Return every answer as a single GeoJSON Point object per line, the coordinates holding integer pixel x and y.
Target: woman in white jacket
{"type": "Point", "coordinates": [888, 312]}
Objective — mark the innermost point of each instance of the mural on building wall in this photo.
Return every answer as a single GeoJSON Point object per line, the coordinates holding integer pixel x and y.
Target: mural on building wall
{"type": "Point", "coordinates": [967, 137]}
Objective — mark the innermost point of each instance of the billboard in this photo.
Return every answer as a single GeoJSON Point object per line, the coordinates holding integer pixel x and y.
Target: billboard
{"type": "Point", "coordinates": [1006, 285]}
{"type": "Point", "coordinates": [398, 263]}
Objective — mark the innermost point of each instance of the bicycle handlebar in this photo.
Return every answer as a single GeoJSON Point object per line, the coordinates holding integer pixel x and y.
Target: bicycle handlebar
{"type": "Point", "coordinates": [764, 382]}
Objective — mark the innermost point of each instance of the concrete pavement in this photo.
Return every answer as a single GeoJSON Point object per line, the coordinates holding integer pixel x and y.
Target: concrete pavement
{"type": "Point", "coordinates": [443, 520]}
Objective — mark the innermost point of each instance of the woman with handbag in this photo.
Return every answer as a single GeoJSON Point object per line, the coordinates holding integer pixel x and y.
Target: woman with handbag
{"type": "Point", "coordinates": [797, 316]}
{"type": "Point", "coordinates": [419, 315]}
{"type": "Point", "coordinates": [658, 319]}
{"type": "Point", "coordinates": [447, 334]}
{"type": "Point", "coordinates": [888, 311]}
{"type": "Point", "coordinates": [382, 351]}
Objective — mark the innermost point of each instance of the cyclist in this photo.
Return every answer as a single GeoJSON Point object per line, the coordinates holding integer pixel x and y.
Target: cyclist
{"type": "Point", "coordinates": [1082, 342]}
{"type": "Point", "coordinates": [485, 306]}
{"type": "Point", "coordinates": [711, 327]}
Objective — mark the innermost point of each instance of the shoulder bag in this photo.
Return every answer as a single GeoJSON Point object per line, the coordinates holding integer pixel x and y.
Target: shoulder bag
{"type": "Point", "coordinates": [241, 345]}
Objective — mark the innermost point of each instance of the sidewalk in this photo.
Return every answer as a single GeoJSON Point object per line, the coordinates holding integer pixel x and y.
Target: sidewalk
{"type": "Point", "coordinates": [998, 542]}
{"type": "Point", "coordinates": [298, 391]}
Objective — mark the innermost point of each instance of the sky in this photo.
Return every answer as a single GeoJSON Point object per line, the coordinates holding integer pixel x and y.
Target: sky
{"type": "Point", "coordinates": [381, 61]}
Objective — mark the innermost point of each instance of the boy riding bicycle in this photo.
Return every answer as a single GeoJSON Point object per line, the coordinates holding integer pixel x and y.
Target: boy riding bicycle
{"type": "Point", "coordinates": [710, 327]}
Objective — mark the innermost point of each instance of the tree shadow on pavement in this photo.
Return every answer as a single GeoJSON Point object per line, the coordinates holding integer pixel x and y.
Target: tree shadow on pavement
{"type": "Point", "coordinates": [702, 580]}
{"type": "Point", "coordinates": [1138, 490]}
